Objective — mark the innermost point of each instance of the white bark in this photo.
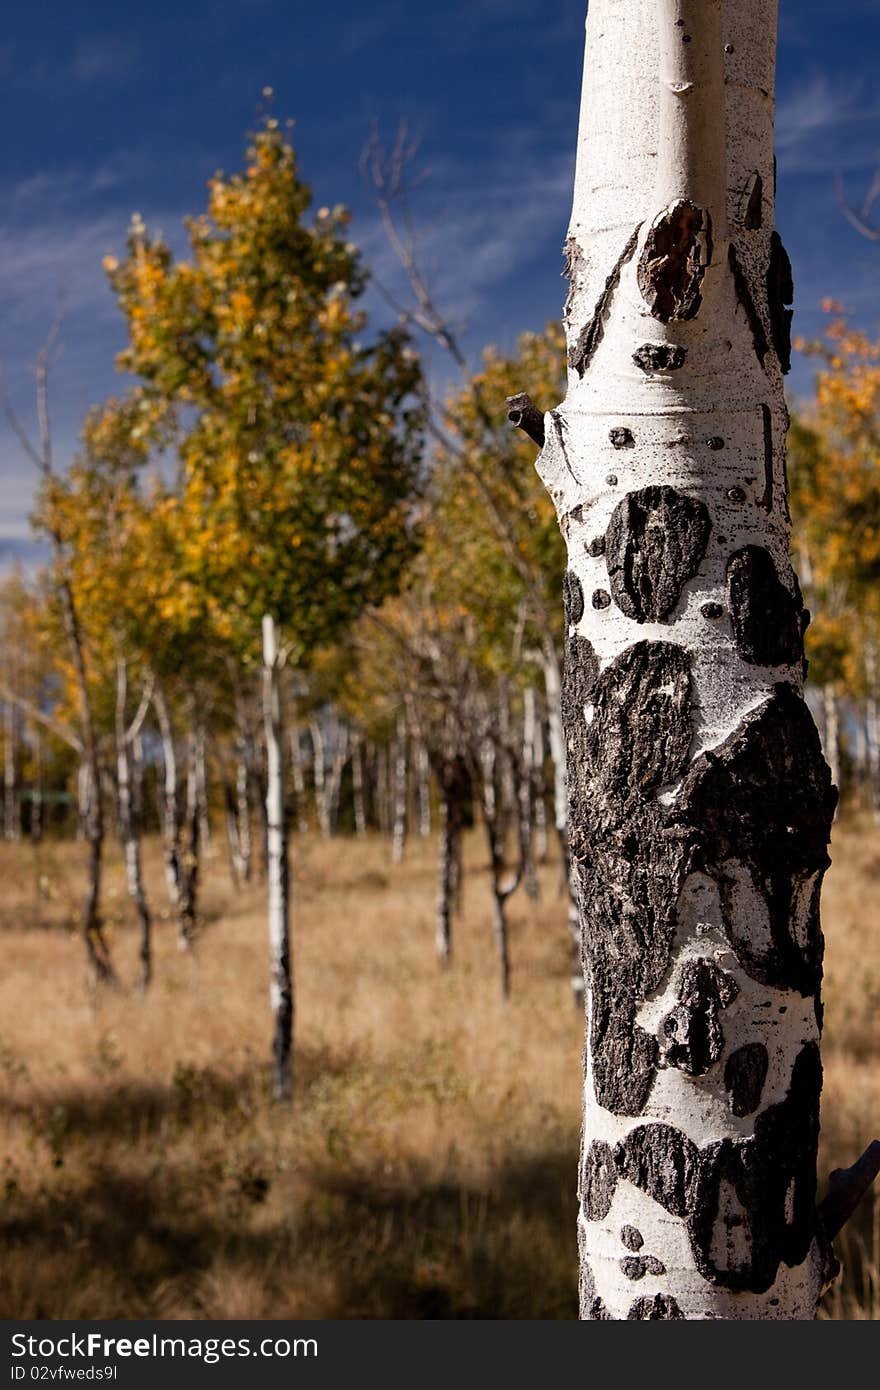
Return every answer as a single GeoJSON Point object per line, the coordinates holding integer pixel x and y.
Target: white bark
{"type": "Point", "coordinates": [129, 829]}
{"type": "Point", "coordinates": [357, 786]}
{"type": "Point", "coordinates": [170, 815]}
{"type": "Point", "coordinates": [319, 778]}
{"type": "Point", "coordinates": [534, 726]}
{"type": "Point", "coordinates": [831, 730]}
{"type": "Point", "coordinates": [299, 781]}
{"type": "Point", "coordinates": [399, 790]}
{"type": "Point", "coordinates": [281, 981]}
{"type": "Point", "coordinates": [423, 789]}
{"type": "Point", "coordinates": [37, 800]}
{"type": "Point", "coordinates": [11, 809]}
{"type": "Point", "coordinates": [202, 792]}
{"type": "Point", "coordinates": [334, 780]}
{"type": "Point", "coordinates": [553, 692]}
{"type": "Point", "coordinates": [872, 727]}
{"type": "Point", "coordinates": [677, 105]}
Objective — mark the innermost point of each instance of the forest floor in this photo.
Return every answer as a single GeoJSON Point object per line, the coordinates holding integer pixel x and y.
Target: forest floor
{"type": "Point", "coordinates": [428, 1166]}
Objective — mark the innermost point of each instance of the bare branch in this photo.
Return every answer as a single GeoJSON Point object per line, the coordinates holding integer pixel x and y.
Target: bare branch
{"type": "Point", "coordinates": [39, 454]}
{"type": "Point", "coordinates": [860, 220]}
{"type": "Point", "coordinates": [61, 731]}
{"type": "Point", "coordinates": [846, 1188]}
{"type": "Point", "coordinates": [524, 415]}
{"type": "Point", "coordinates": [386, 172]}
{"type": "Point", "coordinates": [137, 723]}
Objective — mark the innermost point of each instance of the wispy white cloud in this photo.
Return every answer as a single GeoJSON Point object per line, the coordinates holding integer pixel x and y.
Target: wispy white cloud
{"type": "Point", "coordinates": [104, 58]}
{"type": "Point", "coordinates": [816, 105]}
{"type": "Point", "coordinates": [823, 124]}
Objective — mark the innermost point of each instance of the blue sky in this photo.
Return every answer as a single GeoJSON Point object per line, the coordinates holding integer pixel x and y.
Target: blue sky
{"type": "Point", "coordinates": [109, 110]}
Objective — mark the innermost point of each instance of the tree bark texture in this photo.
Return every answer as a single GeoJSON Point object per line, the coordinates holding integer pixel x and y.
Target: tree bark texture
{"type": "Point", "coordinates": [455, 784]}
{"type": "Point", "coordinates": [831, 723]}
{"type": "Point", "coordinates": [11, 809]}
{"type": "Point", "coordinates": [129, 829]}
{"type": "Point", "coordinates": [280, 978]}
{"type": "Point", "coordinates": [399, 792]}
{"type": "Point", "coordinates": [700, 804]}
{"type": "Point", "coordinates": [357, 787]}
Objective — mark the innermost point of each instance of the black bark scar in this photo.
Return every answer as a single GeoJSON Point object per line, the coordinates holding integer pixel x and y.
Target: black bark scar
{"type": "Point", "coordinates": [766, 614]}
{"type": "Point", "coordinates": [655, 543]}
{"type": "Point", "coordinates": [581, 354]}
{"type": "Point", "coordinates": [744, 297]}
{"type": "Point", "coordinates": [677, 250]}
{"type": "Point", "coordinates": [780, 296]}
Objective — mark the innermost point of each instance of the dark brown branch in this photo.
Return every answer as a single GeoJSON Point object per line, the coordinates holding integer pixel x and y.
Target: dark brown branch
{"type": "Point", "coordinates": [846, 1188]}
{"type": "Point", "coordinates": [524, 415]}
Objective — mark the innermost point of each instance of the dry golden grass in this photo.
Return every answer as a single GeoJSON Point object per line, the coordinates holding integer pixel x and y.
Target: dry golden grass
{"type": "Point", "coordinates": [428, 1166]}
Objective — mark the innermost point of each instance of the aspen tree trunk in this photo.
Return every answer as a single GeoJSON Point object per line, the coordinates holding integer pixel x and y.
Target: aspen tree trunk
{"type": "Point", "coordinates": [189, 850]}
{"type": "Point", "coordinates": [383, 798]}
{"type": "Point", "coordinates": [92, 806]}
{"type": "Point", "coordinates": [423, 789]}
{"type": "Point", "coordinates": [535, 724]}
{"type": "Point", "coordinates": [233, 847]}
{"type": "Point", "coordinates": [11, 810]}
{"type": "Point", "coordinates": [129, 830]}
{"type": "Point", "coordinates": [299, 781]}
{"type": "Point", "coordinates": [860, 751]}
{"type": "Point", "coordinates": [492, 783]}
{"type": "Point", "coordinates": [700, 804]}
{"type": "Point", "coordinates": [202, 790]}
{"type": "Point", "coordinates": [831, 741]}
{"type": "Point", "coordinates": [454, 783]}
{"type": "Point", "coordinates": [553, 692]}
{"type": "Point", "coordinates": [170, 809]}
{"type": "Point", "coordinates": [357, 786]}
{"type": "Point", "coordinates": [334, 781]}
{"type": "Point", "coordinates": [319, 778]}
{"type": "Point", "coordinates": [399, 790]}
{"type": "Point", "coordinates": [243, 815]}
{"type": "Point", "coordinates": [558, 758]}
{"type": "Point", "coordinates": [872, 728]}
{"type": "Point", "coordinates": [281, 982]}
{"type": "Point", "coordinates": [445, 876]}
{"type": "Point", "coordinates": [37, 800]}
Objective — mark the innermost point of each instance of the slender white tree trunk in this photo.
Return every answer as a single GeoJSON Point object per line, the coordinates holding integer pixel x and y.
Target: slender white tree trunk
{"type": "Point", "coordinates": [129, 829]}
{"type": "Point", "coordinates": [445, 881]}
{"type": "Point", "coordinates": [202, 790]}
{"type": "Point", "coordinates": [37, 801]}
{"type": "Point", "coordinates": [383, 797]}
{"type": "Point", "coordinates": [243, 813]}
{"type": "Point", "coordinates": [553, 692]}
{"type": "Point", "coordinates": [299, 781]}
{"type": "Point", "coordinates": [872, 730]}
{"type": "Point", "coordinates": [528, 792]}
{"type": "Point", "coordinates": [860, 751]}
{"type": "Point", "coordinates": [170, 811]}
{"type": "Point", "coordinates": [319, 778]}
{"type": "Point", "coordinates": [190, 846]}
{"type": "Point", "coordinates": [334, 781]}
{"type": "Point", "coordinates": [11, 811]}
{"type": "Point", "coordinates": [399, 797]}
{"type": "Point", "coordinates": [831, 740]}
{"type": "Point", "coordinates": [700, 802]}
{"type": "Point", "coordinates": [281, 980]}
{"type": "Point", "coordinates": [536, 762]}
{"type": "Point", "coordinates": [423, 789]}
{"type": "Point", "coordinates": [357, 784]}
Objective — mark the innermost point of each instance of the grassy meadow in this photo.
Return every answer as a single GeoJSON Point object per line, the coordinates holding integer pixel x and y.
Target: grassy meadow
{"type": "Point", "coordinates": [427, 1169]}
